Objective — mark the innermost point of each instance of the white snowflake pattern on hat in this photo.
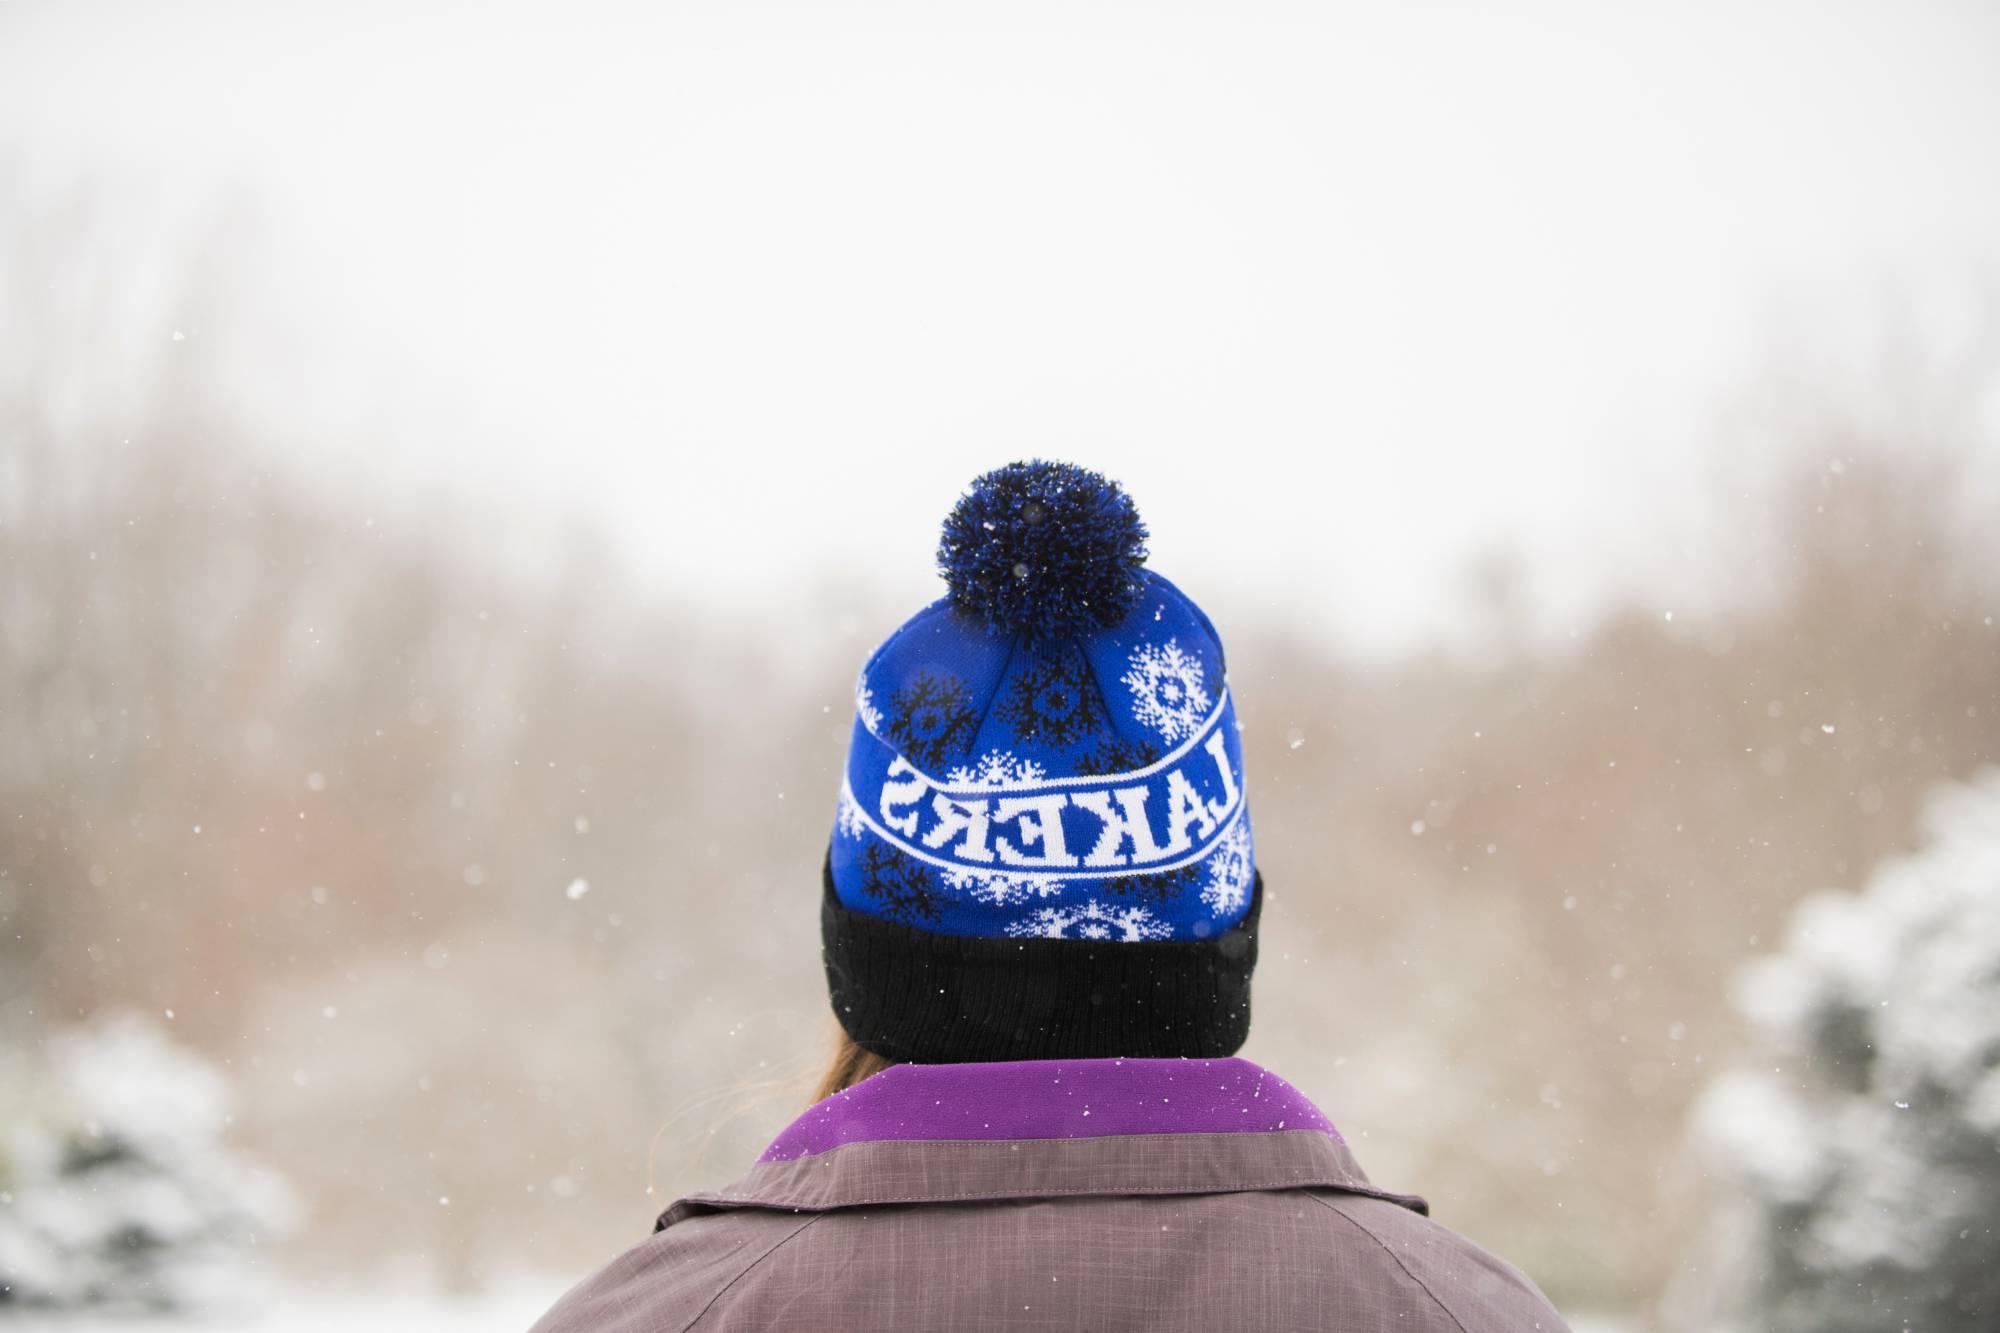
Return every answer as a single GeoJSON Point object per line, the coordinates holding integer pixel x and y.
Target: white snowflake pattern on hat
{"type": "Point", "coordinates": [864, 704]}
{"type": "Point", "coordinates": [1091, 920]}
{"type": "Point", "coordinates": [1230, 869]}
{"type": "Point", "coordinates": [1001, 887]}
{"type": "Point", "coordinates": [849, 819]}
{"type": "Point", "coordinates": [1168, 691]}
{"type": "Point", "coordinates": [995, 768]}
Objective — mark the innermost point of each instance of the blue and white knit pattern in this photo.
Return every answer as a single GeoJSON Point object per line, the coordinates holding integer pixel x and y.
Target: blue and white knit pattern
{"type": "Point", "coordinates": [1083, 787]}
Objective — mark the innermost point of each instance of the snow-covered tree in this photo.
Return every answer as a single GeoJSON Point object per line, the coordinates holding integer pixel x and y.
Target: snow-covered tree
{"type": "Point", "coordinates": [1865, 1148]}
{"type": "Point", "coordinates": [116, 1188]}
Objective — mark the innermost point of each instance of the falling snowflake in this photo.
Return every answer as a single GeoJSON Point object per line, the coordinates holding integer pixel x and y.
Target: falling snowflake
{"type": "Point", "coordinates": [1001, 887]}
{"type": "Point", "coordinates": [1167, 690]}
{"type": "Point", "coordinates": [1230, 870]}
{"type": "Point", "coordinates": [849, 820]}
{"type": "Point", "coordinates": [1053, 702]}
{"type": "Point", "coordinates": [1091, 921]}
{"type": "Point", "coordinates": [996, 768]}
{"type": "Point", "coordinates": [864, 704]}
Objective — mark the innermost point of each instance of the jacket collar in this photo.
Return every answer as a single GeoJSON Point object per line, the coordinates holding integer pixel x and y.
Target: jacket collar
{"type": "Point", "coordinates": [1047, 1128]}
{"type": "Point", "coordinates": [1051, 1099]}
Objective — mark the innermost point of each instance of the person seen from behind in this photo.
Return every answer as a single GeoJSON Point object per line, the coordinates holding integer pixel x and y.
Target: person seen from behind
{"type": "Point", "coordinates": [1039, 919]}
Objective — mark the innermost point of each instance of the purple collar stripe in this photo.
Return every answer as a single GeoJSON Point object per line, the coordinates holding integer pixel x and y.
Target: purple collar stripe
{"type": "Point", "coordinates": [1051, 1099]}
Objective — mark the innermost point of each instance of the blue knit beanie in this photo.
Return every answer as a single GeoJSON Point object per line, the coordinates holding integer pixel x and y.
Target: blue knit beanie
{"type": "Point", "coordinates": [1042, 812]}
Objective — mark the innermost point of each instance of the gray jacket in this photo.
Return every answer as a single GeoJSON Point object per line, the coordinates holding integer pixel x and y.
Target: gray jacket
{"type": "Point", "coordinates": [1095, 1195]}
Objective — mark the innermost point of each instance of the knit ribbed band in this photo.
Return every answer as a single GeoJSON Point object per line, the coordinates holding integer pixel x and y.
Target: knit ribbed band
{"type": "Point", "coordinates": [917, 995]}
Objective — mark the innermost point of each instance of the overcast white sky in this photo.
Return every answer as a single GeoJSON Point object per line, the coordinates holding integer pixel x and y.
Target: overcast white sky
{"type": "Point", "coordinates": [1344, 293]}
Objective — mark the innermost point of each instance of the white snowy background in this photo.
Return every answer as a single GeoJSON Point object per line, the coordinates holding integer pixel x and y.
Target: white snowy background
{"type": "Point", "coordinates": [453, 461]}
{"type": "Point", "coordinates": [1865, 1143]}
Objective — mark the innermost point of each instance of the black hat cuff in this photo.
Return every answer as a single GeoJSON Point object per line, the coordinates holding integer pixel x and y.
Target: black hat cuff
{"type": "Point", "coordinates": [918, 995]}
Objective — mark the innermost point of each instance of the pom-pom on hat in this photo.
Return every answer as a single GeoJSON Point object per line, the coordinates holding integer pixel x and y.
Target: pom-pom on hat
{"type": "Point", "coordinates": [1041, 847]}
{"type": "Point", "coordinates": [1044, 550]}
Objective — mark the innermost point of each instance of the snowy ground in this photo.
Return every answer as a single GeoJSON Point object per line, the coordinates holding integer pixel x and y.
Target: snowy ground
{"type": "Point", "coordinates": [503, 1310]}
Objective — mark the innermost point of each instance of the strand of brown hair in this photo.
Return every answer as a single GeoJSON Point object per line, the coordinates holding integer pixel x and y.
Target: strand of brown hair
{"type": "Point", "coordinates": [851, 1063]}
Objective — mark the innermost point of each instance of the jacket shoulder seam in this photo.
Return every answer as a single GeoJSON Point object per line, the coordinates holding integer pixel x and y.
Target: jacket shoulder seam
{"type": "Point", "coordinates": [744, 1272]}
{"type": "Point", "coordinates": [1246, 1186]}
{"type": "Point", "coordinates": [1408, 1272]}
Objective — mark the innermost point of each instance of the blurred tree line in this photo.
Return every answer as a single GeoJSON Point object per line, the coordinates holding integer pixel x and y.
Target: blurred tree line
{"type": "Point", "coordinates": [495, 891]}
